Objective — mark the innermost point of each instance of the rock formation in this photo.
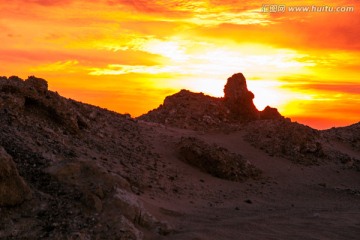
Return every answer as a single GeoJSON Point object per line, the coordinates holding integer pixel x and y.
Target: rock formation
{"type": "Point", "coordinates": [270, 113]}
{"type": "Point", "coordinates": [32, 98]}
{"type": "Point", "coordinates": [189, 110]}
{"type": "Point", "coordinates": [38, 84]}
{"type": "Point", "coordinates": [238, 99]}
{"type": "Point", "coordinates": [200, 112]}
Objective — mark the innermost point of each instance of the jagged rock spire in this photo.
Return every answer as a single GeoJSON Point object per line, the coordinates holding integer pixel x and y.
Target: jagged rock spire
{"type": "Point", "coordinates": [239, 99]}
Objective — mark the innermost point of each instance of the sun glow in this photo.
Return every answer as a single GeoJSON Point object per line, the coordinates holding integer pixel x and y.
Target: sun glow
{"type": "Point", "coordinates": [206, 66]}
{"type": "Point", "coordinates": [170, 49]}
{"type": "Point", "coordinates": [138, 52]}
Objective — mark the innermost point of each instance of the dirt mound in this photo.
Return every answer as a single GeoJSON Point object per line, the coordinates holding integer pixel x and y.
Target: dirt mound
{"type": "Point", "coordinates": [349, 135]}
{"type": "Point", "coordinates": [216, 160]}
{"type": "Point", "coordinates": [201, 112]}
{"type": "Point", "coordinates": [349, 139]}
{"type": "Point", "coordinates": [297, 142]}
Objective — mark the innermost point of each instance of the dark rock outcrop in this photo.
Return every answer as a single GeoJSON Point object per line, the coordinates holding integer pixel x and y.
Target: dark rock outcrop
{"type": "Point", "coordinates": [238, 99]}
{"type": "Point", "coordinates": [38, 84]}
{"type": "Point", "coordinates": [216, 160]}
{"type": "Point", "coordinates": [33, 98]}
{"type": "Point", "coordinates": [189, 110]}
{"type": "Point", "coordinates": [13, 189]}
{"type": "Point", "coordinates": [270, 113]}
{"type": "Point", "coordinates": [201, 112]}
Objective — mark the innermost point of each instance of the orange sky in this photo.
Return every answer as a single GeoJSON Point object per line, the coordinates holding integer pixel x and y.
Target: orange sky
{"type": "Point", "coordinates": [127, 55]}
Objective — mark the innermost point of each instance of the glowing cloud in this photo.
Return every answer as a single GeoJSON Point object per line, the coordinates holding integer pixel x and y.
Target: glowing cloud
{"type": "Point", "coordinates": [90, 50]}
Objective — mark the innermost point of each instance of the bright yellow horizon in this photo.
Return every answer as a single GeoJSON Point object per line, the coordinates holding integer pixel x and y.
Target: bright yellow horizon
{"type": "Point", "coordinates": [128, 56]}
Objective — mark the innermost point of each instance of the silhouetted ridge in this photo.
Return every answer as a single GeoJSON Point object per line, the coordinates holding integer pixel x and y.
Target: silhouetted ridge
{"type": "Point", "coordinates": [198, 111]}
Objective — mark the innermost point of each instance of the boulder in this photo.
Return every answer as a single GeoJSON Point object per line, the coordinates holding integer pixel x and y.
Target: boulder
{"type": "Point", "coordinates": [215, 160]}
{"type": "Point", "coordinates": [38, 84]}
{"type": "Point", "coordinates": [132, 208]}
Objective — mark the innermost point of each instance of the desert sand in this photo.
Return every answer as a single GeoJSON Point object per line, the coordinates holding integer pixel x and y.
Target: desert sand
{"type": "Point", "coordinates": [290, 201]}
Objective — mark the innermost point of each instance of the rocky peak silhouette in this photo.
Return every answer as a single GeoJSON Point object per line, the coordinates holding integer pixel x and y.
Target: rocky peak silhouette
{"type": "Point", "coordinates": [198, 111]}
{"type": "Point", "coordinates": [238, 99]}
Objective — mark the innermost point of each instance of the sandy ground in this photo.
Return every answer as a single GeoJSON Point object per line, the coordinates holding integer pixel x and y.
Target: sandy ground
{"type": "Point", "coordinates": [289, 202]}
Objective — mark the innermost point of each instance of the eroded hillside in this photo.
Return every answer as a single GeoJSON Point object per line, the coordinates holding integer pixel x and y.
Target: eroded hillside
{"type": "Point", "coordinates": [195, 168]}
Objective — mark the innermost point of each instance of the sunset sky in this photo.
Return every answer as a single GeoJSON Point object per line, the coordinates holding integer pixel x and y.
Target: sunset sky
{"type": "Point", "coordinates": [127, 55]}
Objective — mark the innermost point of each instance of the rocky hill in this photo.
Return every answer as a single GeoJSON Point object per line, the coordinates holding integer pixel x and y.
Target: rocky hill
{"type": "Point", "coordinates": [69, 170]}
{"type": "Point", "coordinates": [200, 112]}
{"type": "Point", "coordinates": [66, 152]}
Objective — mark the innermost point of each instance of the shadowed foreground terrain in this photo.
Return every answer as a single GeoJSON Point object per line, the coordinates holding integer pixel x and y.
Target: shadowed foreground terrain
{"type": "Point", "coordinates": [197, 167]}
